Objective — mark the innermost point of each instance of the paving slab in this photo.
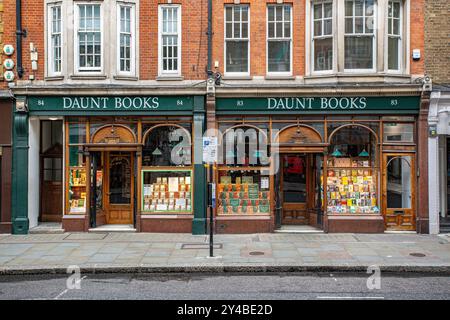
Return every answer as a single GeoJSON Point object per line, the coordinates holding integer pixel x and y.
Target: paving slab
{"type": "Point", "coordinates": [138, 252]}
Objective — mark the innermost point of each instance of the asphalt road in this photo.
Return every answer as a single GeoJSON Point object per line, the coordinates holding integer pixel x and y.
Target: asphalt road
{"type": "Point", "coordinates": [227, 286]}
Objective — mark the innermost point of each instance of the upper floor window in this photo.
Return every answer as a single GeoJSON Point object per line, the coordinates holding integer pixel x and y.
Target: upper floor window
{"type": "Point", "coordinates": [55, 40]}
{"type": "Point", "coordinates": [89, 38]}
{"type": "Point", "coordinates": [279, 39]}
{"type": "Point", "coordinates": [237, 39]}
{"type": "Point", "coordinates": [394, 34]}
{"type": "Point", "coordinates": [169, 39]}
{"type": "Point", "coordinates": [360, 37]}
{"type": "Point", "coordinates": [322, 36]}
{"type": "Point", "coordinates": [126, 42]}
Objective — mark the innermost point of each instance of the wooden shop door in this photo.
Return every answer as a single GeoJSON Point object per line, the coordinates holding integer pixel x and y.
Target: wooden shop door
{"type": "Point", "coordinates": [399, 190]}
{"type": "Point", "coordinates": [295, 186]}
{"type": "Point", "coordinates": [119, 186]}
{"type": "Point", "coordinates": [51, 188]}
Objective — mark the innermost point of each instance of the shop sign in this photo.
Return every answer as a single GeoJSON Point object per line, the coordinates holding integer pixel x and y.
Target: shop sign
{"type": "Point", "coordinates": [102, 104]}
{"type": "Point", "coordinates": [318, 104]}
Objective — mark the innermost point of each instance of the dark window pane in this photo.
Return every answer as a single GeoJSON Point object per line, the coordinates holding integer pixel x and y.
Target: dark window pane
{"type": "Point", "coordinates": [279, 56]}
{"type": "Point", "coordinates": [393, 54]}
{"type": "Point", "coordinates": [358, 52]}
{"type": "Point", "coordinates": [237, 56]}
{"type": "Point", "coordinates": [323, 54]}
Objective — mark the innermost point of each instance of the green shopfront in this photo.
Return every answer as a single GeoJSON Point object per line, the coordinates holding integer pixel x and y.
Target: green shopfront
{"type": "Point", "coordinates": [341, 164]}
{"type": "Point", "coordinates": [90, 161]}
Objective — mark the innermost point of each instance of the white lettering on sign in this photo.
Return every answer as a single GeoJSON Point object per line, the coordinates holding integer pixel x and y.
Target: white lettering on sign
{"type": "Point", "coordinates": [289, 103]}
{"type": "Point", "coordinates": [343, 103]}
{"type": "Point", "coordinates": [98, 103]}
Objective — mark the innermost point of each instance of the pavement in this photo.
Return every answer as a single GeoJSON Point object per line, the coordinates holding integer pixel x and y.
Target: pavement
{"type": "Point", "coordinates": [150, 252]}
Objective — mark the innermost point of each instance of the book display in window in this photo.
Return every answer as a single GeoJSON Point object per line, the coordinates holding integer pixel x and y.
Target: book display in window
{"type": "Point", "coordinates": [77, 190]}
{"type": "Point", "coordinates": [351, 187]}
{"type": "Point", "coordinates": [166, 193]}
{"type": "Point", "coordinates": [244, 195]}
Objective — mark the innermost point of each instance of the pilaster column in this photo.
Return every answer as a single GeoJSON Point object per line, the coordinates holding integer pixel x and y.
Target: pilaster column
{"type": "Point", "coordinates": [20, 222]}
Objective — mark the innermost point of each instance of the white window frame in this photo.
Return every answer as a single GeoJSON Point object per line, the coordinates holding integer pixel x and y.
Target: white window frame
{"type": "Point", "coordinates": [236, 74]}
{"type": "Point", "coordinates": [281, 39]}
{"type": "Point", "coordinates": [162, 72]}
{"type": "Point", "coordinates": [87, 70]}
{"type": "Point", "coordinates": [132, 8]}
{"type": "Point", "coordinates": [401, 37]}
{"type": "Point", "coordinates": [332, 36]}
{"type": "Point", "coordinates": [374, 40]}
{"type": "Point", "coordinates": [50, 49]}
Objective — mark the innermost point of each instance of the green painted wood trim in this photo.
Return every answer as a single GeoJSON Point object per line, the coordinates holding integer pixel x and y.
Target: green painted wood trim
{"type": "Point", "coordinates": [19, 218]}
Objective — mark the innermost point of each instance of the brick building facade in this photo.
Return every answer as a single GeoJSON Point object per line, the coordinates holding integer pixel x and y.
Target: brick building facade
{"type": "Point", "coordinates": [114, 81]}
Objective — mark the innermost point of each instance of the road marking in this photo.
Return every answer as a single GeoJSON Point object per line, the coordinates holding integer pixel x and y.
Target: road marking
{"type": "Point", "coordinates": [351, 298]}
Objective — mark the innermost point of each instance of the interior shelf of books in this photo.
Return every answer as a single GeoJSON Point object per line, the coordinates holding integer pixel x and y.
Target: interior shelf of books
{"type": "Point", "coordinates": [243, 192]}
{"type": "Point", "coordinates": [167, 191]}
{"type": "Point", "coordinates": [351, 186]}
{"type": "Point", "coordinates": [77, 190]}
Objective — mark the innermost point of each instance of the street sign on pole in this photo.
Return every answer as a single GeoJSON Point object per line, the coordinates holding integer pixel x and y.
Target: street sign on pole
{"type": "Point", "coordinates": [209, 150]}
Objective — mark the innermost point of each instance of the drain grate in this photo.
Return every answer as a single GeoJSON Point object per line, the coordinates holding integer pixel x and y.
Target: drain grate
{"type": "Point", "coordinates": [256, 253]}
{"type": "Point", "coordinates": [417, 254]}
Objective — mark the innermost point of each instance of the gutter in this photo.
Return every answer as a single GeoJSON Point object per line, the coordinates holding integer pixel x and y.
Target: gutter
{"type": "Point", "coordinates": [19, 34]}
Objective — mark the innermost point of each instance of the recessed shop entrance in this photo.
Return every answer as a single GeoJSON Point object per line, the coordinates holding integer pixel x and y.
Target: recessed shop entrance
{"type": "Point", "coordinates": [298, 189]}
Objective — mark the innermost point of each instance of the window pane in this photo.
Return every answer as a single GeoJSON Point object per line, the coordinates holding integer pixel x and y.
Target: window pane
{"type": "Point", "coordinates": [237, 56]}
{"type": "Point", "coordinates": [328, 10]}
{"type": "Point", "coordinates": [229, 30]}
{"type": "Point", "coordinates": [393, 53]}
{"type": "Point", "coordinates": [349, 8]}
{"type": "Point", "coordinates": [228, 13]}
{"type": "Point", "coordinates": [323, 54]}
{"type": "Point", "coordinates": [358, 52]}
{"type": "Point", "coordinates": [271, 13]}
{"type": "Point", "coordinates": [399, 181]}
{"type": "Point", "coordinates": [279, 56]}
{"type": "Point", "coordinates": [348, 25]}
{"type": "Point", "coordinates": [398, 132]}
{"type": "Point", "coordinates": [318, 28]}
{"type": "Point", "coordinates": [328, 27]}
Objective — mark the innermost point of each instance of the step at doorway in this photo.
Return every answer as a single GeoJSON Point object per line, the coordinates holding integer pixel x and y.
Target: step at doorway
{"type": "Point", "coordinates": [114, 228]}
{"type": "Point", "coordinates": [298, 229]}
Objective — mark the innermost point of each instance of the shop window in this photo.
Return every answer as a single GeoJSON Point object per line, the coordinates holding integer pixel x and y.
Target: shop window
{"type": "Point", "coordinates": [243, 192]}
{"type": "Point", "coordinates": [398, 132]}
{"type": "Point", "coordinates": [279, 39]}
{"type": "Point", "coordinates": [167, 191]}
{"type": "Point", "coordinates": [399, 182]}
{"type": "Point", "coordinates": [77, 180]}
{"type": "Point", "coordinates": [245, 146]}
{"type": "Point", "coordinates": [237, 39]}
{"type": "Point", "coordinates": [167, 145]}
{"type": "Point", "coordinates": [244, 180]}
{"type": "Point", "coordinates": [322, 25]}
{"type": "Point", "coordinates": [352, 172]}
{"type": "Point", "coordinates": [167, 175]}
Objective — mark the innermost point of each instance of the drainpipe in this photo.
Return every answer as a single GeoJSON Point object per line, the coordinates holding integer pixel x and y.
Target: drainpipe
{"type": "Point", "coordinates": [19, 34]}
{"type": "Point", "coordinates": [210, 73]}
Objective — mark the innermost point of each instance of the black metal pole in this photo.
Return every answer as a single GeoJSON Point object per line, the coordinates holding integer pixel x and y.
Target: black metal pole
{"type": "Point", "coordinates": [211, 213]}
{"type": "Point", "coordinates": [19, 34]}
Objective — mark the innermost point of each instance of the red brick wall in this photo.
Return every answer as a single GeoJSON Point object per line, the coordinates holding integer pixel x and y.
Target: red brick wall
{"type": "Point", "coordinates": [194, 24]}
{"type": "Point", "coordinates": [194, 38]}
{"type": "Point", "coordinates": [417, 34]}
{"type": "Point", "coordinates": [258, 34]}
